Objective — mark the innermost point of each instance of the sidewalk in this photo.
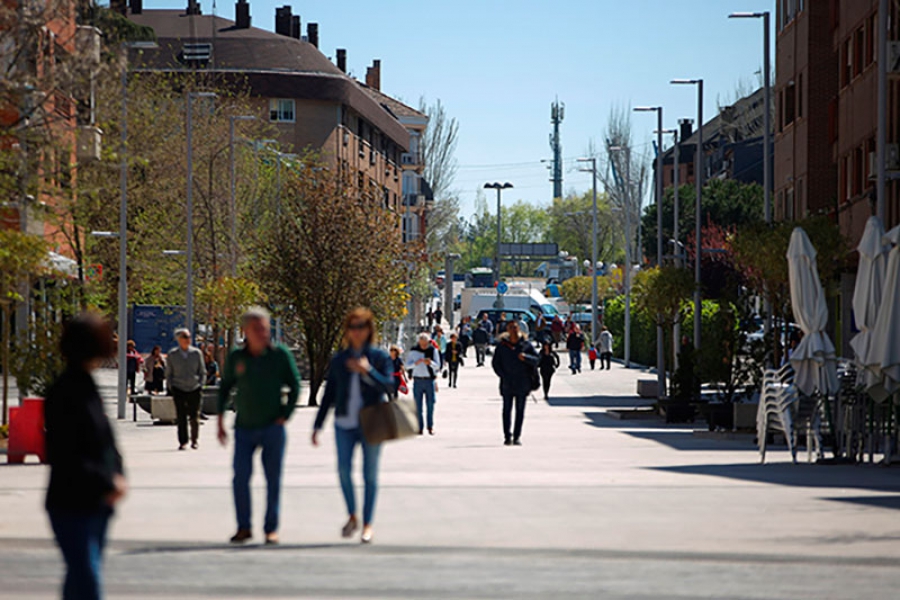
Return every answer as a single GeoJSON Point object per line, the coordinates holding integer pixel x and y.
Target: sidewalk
{"type": "Point", "coordinates": [460, 515]}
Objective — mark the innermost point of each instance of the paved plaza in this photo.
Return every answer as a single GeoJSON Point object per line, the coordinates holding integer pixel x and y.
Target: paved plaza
{"type": "Point", "coordinates": [590, 506]}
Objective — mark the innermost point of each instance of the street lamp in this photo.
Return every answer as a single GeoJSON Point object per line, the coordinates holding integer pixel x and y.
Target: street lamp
{"type": "Point", "coordinates": [449, 261]}
{"type": "Point", "coordinates": [628, 239]}
{"type": "Point", "coordinates": [660, 334]}
{"type": "Point", "coordinates": [676, 245]}
{"type": "Point", "coordinates": [499, 187]}
{"type": "Point", "coordinates": [234, 244]}
{"type": "Point", "coordinates": [190, 209]}
{"type": "Point", "coordinates": [593, 172]}
{"type": "Point", "coordinates": [698, 177]}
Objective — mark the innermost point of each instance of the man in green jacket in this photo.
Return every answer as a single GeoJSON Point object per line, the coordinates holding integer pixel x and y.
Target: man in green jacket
{"type": "Point", "coordinates": [257, 373]}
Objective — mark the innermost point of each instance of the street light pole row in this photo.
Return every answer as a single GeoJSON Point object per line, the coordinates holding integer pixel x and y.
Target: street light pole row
{"type": "Point", "coordinates": [498, 303]}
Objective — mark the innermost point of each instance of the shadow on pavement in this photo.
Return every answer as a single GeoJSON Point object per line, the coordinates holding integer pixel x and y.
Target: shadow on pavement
{"type": "Point", "coordinates": [892, 502]}
{"type": "Point", "coordinates": [687, 441]}
{"type": "Point", "coordinates": [225, 547]}
{"type": "Point", "coordinates": [800, 475]}
{"type": "Point", "coordinates": [598, 401]}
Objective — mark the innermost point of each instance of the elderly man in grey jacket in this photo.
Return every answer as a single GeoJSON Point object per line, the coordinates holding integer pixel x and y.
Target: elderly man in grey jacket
{"type": "Point", "coordinates": [185, 374]}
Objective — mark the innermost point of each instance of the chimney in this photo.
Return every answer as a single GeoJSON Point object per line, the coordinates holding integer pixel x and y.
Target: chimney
{"type": "Point", "coordinates": [241, 14]}
{"type": "Point", "coordinates": [295, 27]}
{"type": "Point", "coordinates": [283, 20]}
{"type": "Point", "coordinates": [342, 60]}
{"type": "Point", "coordinates": [137, 6]}
{"type": "Point", "coordinates": [373, 75]}
{"type": "Point", "coordinates": [312, 34]}
{"type": "Point", "coordinates": [686, 129]}
{"type": "Point", "coordinates": [193, 7]}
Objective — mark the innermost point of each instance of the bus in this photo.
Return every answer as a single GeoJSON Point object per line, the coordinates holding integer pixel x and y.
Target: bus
{"type": "Point", "coordinates": [480, 277]}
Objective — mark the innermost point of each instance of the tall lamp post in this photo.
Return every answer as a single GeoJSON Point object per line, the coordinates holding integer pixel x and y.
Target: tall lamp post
{"type": "Point", "coordinates": [234, 244]}
{"type": "Point", "coordinates": [498, 303]}
{"type": "Point", "coordinates": [594, 312]}
{"type": "Point", "coordinates": [190, 208]}
{"type": "Point", "coordinates": [698, 177]}
{"type": "Point", "coordinates": [660, 334]}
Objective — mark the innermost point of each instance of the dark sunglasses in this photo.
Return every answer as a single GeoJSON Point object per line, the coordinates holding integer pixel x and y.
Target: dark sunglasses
{"type": "Point", "coordinates": [358, 326]}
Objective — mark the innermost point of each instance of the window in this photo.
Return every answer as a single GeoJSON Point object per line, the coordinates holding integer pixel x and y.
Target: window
{"type": "Point", "coordinates": [790, 101]}
{"type": "Point", "coordinates": [846, 63]}
{"type": "Point", "coordinates": [690, 169]}
{"type": "Point", "coordinates": [871, 28]}
{"type": "Point", "coordinates": [281, 111]}
{"type": "Point", "coordinates": [859, 46]}
{"type": "Point", "coordinates": [780, 111]}
{"type": "Point", "coordinates": [789, 208]}
{"type": "Point", "coordinates": [832, 121]}
{"type": "Point", "coordinates": [858, 172]}
{"type": "Point", "coordinates": [844, 179]}
{"type": "Point", "coordinates": [799, 95]}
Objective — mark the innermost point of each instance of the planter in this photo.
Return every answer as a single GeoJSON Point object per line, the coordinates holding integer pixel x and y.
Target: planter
{"type": "Point", "coordinates": [678, 412]}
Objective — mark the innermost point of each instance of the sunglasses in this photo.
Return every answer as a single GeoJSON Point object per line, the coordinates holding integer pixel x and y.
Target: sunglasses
{"type": "Point", "coordinates": [358, 326]}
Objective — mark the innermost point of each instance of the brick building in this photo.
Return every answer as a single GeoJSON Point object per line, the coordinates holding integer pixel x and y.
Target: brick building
{"type": "Point", "coordinates": [313, 103]}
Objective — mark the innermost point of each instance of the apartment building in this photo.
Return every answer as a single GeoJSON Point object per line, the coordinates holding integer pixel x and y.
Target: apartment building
{"type": "Point", "coordinates": [312, 102]}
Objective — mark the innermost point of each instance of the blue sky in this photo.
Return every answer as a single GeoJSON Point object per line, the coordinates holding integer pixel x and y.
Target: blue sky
{"type": "Point", "coordinates": [498, 64]}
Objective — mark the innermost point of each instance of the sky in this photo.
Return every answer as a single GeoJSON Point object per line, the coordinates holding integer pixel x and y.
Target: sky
{"type": "Point", "coordinates": [497, 65]}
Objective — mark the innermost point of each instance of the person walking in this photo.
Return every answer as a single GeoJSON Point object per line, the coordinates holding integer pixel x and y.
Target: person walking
{"type": "Point", "coordinates": [398, 371]}
{"type": "Point", "coordinates": [425, 362]}
{"type": "Point", "coordinates": [438, 316]}
{"type": "Point", "coordinates": [606, 348]}
{"type": "Point", "coordinates": [513, 362]}
{"type": "Point", "coordinates": [453, 357]}
{"type": "Point", "coordinates": [185, 374]}
{"type": "Point", "coordinates": [212, 367]}
{"type": "Point", "coordinates": [465, 335]}
{"type": "Point", "coordinates": [257, 372]}
{"type": "Point", "coordinates": [556, 330]}
{"type": "Point", "coordinates": [487, 325]}
{"type": "Point", "coordinates": [575, 344]}
{"type": "Point", "coordinates": [440, 339]}
{"type": "Point", "coordinates": [592, 357]}
{"type": "Point", "coordinates": [359, 376]}
{"type": "Point", "coordinates": [481, 338]}
{"type": "Point", "coordinates": [87, 478]}
{"type": "Point", "coordinates": [430, 316]}
{"type": "Point", "coordinates": [154, 371]}
{"type": "Point", "coordinates": [500, 329]}
{"type": "Point", "coordinates": [133, 362]}
{"type": "Point", "coordinates": [547, 365]}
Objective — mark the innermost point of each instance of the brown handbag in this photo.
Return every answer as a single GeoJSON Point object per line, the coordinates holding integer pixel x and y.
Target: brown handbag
{"type": "Point", "coordinates": [388, 421]}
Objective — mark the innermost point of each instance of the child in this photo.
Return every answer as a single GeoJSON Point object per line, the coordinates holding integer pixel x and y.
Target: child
{"type": "Point", "coordinates": [397, 370]}
{"type": "Point", "coordinates": [592, 357]}
{"type": "Point", "coordinates": [133, 362]}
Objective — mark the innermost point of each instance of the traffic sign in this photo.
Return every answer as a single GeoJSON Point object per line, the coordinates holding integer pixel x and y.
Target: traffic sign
{"type": "Point", "coordinates": [502, 288]}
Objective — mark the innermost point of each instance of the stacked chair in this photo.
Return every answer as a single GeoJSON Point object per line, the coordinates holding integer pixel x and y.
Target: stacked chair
{"type": "Point", "coordinates": [782, 409]}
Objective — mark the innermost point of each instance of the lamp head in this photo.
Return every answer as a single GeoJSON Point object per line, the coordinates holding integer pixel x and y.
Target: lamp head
{"type": "Point", "coordinates": [685, 81]}
{"type": "Point", "coordinates": [747, 15]}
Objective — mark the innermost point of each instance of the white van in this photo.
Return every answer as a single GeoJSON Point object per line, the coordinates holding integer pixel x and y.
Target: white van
{"type": "Point", "coordinates": [516, 298]}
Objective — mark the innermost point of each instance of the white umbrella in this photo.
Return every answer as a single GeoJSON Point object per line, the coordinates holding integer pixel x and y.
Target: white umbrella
{"type": "Point", "coordinates": [814, 359]}
{"type": "Point", "coordinates": [885, 351]}
{"type": "Point", "coordinates": [867, 293]}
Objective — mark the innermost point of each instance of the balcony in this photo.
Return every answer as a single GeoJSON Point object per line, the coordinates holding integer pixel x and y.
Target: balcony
{"type": "Point", "coordinates": [88, 139]}
{"type": "Point", "coordinates": [411, 159]}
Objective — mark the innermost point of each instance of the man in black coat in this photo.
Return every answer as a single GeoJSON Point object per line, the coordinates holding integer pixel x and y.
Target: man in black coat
{"type": "Point", "coordinates": [514, 363]}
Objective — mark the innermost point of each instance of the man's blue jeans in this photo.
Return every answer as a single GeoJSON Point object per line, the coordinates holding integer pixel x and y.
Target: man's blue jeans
{"type": "Point", "coordinates": [346, 440]}
{"type": "Point", "coordinates": [575, 360]}
{"type": "Point", "coordinates": [272, 440]}
{"type": "Point", "coordinates": [423, 393]}
{"type": "Point", "coordinates": [81, 538]}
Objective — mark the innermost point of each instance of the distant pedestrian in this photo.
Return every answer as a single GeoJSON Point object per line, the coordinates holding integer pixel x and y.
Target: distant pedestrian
{"type": "Point", "coordinates": [453, 357]}
{"type": "Point", "coordinates": [425, 361]}
{"type": "Point", "coordinates": [592, 357]}
{"type": "Point", "coordinates": [487, 324]}
{"type": "Point", "coordinates": [430, 316]}
{"type": "Point", "coordinates": [481, 337]}
{"type": "Point", "coordinates": [606, 348]}
{"type": "Point", "coordinates": [212, 367]}
{"type": "Point", "coordinates": [185, 375]}
{"type": "Point", "coordinates": [575, 344]}
{"type": "Point", "coordinates": [547, 365]}
{"type": "Point", "coordinates": [133, 362]}
{"type": "Point", "coordinates": [154, 371]}
{"type": "Point", "coordinates": [523, 326]}
{"type": "Point", "coordinates": [500, 329]}
{"type": "Point", "coordinates": [438, 315]}
{"type": "Point", "coordinates": [359, 376]}
{"type": "Point", "coordinates": [440, 339]}
{"type": "Point", "coordinates": [257, 372]}
{"type": "Point", "coordinates": [556, 330]}
{"type": "Point", "coordinates": [86, 475]}
{"type": "Point", "coordinates": [514, 362]}
{"type": "Point", "coordinates": [465, 334]}
{"type": "Point", "coordinates": [398, 371]}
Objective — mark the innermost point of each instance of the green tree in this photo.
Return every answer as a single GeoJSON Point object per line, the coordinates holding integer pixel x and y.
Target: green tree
{"type": "Point", "coordinates": [332, 248]}
{"type": "Point", "coordinates": [571, 227]}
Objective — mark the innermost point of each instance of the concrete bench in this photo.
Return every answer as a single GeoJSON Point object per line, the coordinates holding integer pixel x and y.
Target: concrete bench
{"type": "Point", "coordinates": [648, 388]}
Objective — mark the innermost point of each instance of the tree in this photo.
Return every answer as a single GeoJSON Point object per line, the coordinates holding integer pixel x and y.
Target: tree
{"type": "Point", "coordinates": [22, 256]}
{"type": "Point", "coordinates": [333, 247]}
{"type": "Point", "coordinates": [224, 300]}
{"type": "Point", "coordinates": [438, 149]}
{"type": "Point", "coordinates": [571, 226]}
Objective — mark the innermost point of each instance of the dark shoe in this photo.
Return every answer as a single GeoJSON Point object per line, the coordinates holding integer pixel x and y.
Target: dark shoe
{"type": "Point", "coordinates": [421, 431]}
{"type": "Point", "coordinates": [195, 445]}
{"type": "Point", "coordinates": [241, 536]}
{"type": "Point", "coordinates": [430, 431]}
{"type": "Point", "coordinates": [182, 447]}
{"type": "Point", "coordinates": [508, 442]}
{"type": "Point", "coordinates": [517, 442]}
{"type": "Point", "coordinates": [350, 528]}
{"type": "Point", "coordinates": [272, 539]}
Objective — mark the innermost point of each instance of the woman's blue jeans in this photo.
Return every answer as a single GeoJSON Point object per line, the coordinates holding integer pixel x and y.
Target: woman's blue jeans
{"type": "Point", "coordinates": [347, 440]}
{"type": "Point", "coordinates": [272, 440]}
{"type": "Point", "coordinates": [81, 538]}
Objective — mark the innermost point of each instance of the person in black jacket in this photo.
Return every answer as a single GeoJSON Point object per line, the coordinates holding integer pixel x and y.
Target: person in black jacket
{"type": "Point", "coordinates": [453, 358]}
{"type": "Point", "coordinates": [513, 362]}
{"type": "Point", "coordinates": [86, 474]}
{"type": "Point", "coordinates": [547, 365]}
{"type": "Point", "coordinates": [481, 337]}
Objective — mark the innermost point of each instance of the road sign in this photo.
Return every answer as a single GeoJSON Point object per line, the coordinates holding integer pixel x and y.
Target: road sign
{"type": "Point", "coordinates": [533, 251]}
{"type": "Point", "coordinates": [502, 288]}
{"type": "Point", "coordinates": [93, 272]}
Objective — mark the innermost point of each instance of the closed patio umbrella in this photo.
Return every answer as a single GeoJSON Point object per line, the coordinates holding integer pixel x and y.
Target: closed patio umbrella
{"type": "Point", "coordinates": [814, 360]}
{"type": "Point", "coordinates": [885, 351]}
{"type": "Point", "coordinates": [867, 294]}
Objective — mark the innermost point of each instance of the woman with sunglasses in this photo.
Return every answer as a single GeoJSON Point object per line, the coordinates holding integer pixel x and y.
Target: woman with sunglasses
{"type": "Point", "coordinates": [359, 375]}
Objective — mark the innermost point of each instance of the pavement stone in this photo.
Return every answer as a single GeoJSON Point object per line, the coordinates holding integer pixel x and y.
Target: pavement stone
{"type": "Point", "coordinates": [590, 506]}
